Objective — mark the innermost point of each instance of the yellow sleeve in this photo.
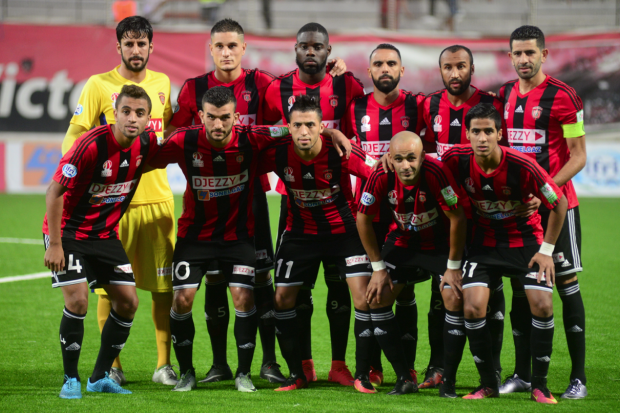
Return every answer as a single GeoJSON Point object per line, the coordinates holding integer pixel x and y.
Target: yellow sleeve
{"type": "Point", "coordinates": [73, 133]}
{"type": "Point", "coordinates": [167, 109]}
{"type": "Point", "coordinates": [89, 105]}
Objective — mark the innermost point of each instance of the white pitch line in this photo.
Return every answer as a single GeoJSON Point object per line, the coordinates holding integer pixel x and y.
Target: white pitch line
{"type": "Point", "coordinates": [26, 277]}
{"type": "Point", "coordinates": [21, 241]}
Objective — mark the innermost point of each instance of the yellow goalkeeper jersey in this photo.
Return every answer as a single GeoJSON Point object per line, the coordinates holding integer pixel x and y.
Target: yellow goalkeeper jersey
{"type": "Point", "coordinates": [96, 107]}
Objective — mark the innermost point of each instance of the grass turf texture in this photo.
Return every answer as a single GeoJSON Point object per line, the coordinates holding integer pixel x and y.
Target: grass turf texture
{"type": "Point", "coordinates": [31, 367]}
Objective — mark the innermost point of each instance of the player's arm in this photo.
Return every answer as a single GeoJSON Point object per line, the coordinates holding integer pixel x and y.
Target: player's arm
{"type": "Point", "coordinates": [270, 112]}
{"type": "Point", "coordinates": [577, 161]}
{"type": "Point", "coordinates": [337, 66]}
{"type": "Point", "coordinates": [570, 116]}
{"type": "Point", "coordinates": [169, 152]}
{"type": "Point", "coordinates": [54, 255]}
{"type": "Point", "coordinates": [85, 115]}
{"type": "Point", "coordinates": [73, 134]}
{"type": "Point", "coordinates": [380, 277]}
{"type": "Point", "coordinates": [458, 233]}
{"type": "Point", "coordinates": [340, 141]}
{"type": "Point", "coordinates": [182, 115]}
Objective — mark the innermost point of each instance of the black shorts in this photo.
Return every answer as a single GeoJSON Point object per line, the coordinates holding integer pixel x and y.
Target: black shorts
{"type": "Point", "coordinates": [299, 256]}
{"type": "Point", "coordinates": [97, 262]}
{"type": "Point", "coordinates": [485, 264]}
{"type": "Point", "coordinates": [567, 252]}
{"type": "Point", "coordinates": [412, 265]}
{"type": "Point", "coordinates": [191, 260]}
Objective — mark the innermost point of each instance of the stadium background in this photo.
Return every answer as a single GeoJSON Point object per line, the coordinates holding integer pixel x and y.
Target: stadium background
{"type": "Point", "coordinates": [48, 49]}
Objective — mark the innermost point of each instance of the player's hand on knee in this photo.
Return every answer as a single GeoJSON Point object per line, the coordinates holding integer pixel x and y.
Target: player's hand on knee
{"type": "Point", "coordinates": [546, 268]}
{"type": "Point", "coordinates": [338, 67]}
{"type": "Point", "coordinates": [379, 280]}
{"type": "Point", "coordinates": [528, 209]}
{"type": "Point", "coordinates": [55, 258]}
{"type": "Point", "coordinates": [454, 278]}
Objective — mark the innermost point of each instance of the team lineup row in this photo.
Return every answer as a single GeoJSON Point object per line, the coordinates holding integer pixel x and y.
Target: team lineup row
{"type": "Point", "coordinates": [381, 237]}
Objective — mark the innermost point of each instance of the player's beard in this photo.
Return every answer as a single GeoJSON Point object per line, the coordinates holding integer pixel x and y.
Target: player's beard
{"type": "Point", "coordinates": [534, 68]}
{"type": "Point", "coordinates": [386, 87]}
{"type": "Point", "coordinates": [226, 135]}
{"type": "Point", "coordinates": [456, 92]}
{"type": "Point", "coordinates": [320, 67]}
{"type": "Point", "coordinates": [134, 69]}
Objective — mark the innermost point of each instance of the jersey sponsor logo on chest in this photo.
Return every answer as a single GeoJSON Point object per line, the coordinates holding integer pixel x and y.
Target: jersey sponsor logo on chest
{"type": "Point", "coordinates": [314, 194]}
{"type": "Point", "coordinates": [157, 125]}
{"type": "Point", "coordinates": [247, 120]}
{"type": "Point", "coordinates": [113, 189]}
{"type": "Point", "coordinates": [443, 147]}
{"type": "Point", "coordinates": [526, 136]}
{"type": "Point", "coordinates": [490, 206]}
{"type": "Point", "coordinates": [219, 182]}
{"type": "Point", "coordinates": [331, 124]}
{"type": "Point", "coordinates": [376, 148]}
{"type": "Point", "coordinates": [415, 220]}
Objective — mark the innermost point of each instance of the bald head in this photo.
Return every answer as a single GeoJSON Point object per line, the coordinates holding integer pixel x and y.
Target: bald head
{"type": "Point", "coordinates": [407, 155]}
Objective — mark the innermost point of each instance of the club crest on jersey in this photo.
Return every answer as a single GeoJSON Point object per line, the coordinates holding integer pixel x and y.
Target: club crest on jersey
{"type": "Point", "coordinates": [288, 174]}
{"type": "Point", "coordinates": [197, 162]}
{"type": "Point", "coordinates": [333, 100]}
{"type": "Point", "coordinates": [393, 197]}
{"type": "Point", "coordinates": [422, 196]}
{"type": "Point", "coordinates": [291, 100]}
{"type": "Point", "coordinates": [239, 158]}
{"type": "Point", "coordinates": [366, 123]}
{"type": "Point", "coordinates": [328, 174]}
{"type": "Point", "coordinates": [469, 185]}
{"type": "Point", "coordinates": [506, 110]}
{"type": "Point", "coordinates": [107, 169]}
{"type": "Point", "coordinates": [404, 121]}
{"type": "Point", "coordinates": [138, 160]}
{"type": "Point", "coordinates": [437, 125]}
{"type": "Point", "coordinates": [114, 97]}
{"type": "Point", "coordinates": [247, 95]}
{"type": "Point", "coordinates": [506, 190]}
{"type": "Point", "coordinates": [536, 112]}
{"type": "Point", "coordinates": [162, 97]}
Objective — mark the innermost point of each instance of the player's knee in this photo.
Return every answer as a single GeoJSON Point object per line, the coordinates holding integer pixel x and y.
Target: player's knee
{"type": "Point", "coordinates": [474, 310]}
{"type": "Point", "coordinates": [128, 306]}
{"type": "Point", "coordinates": [450, 302]}
{"type": "Point", "coordinates": [182, 303]}
{"type": "Point", "coordinates": [77, 304]}
{"type": "Point", "coordinates": [283, 300]}
{"type": "Point", "coordinates": [542, 307]}
{"type": "Point", "coordinates": [243, 298]}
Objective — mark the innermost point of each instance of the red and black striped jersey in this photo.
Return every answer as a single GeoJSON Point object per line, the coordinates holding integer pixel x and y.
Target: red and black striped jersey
{"type": "Point", "coordinates": [249, 89]}
{"type": "Point", "coordinates": [320, 197]}
{"type": "Point", "coordinates": [445, 123]}
{"type": "Point", "coordinates": [539, 122]}
{"type": "Point", "coordinates": [217, 204]}
{"type": "Point", "coordinates": [373, 126]}
{"type": "Point", "coordinates": [417, 210]}
{"type": "Point", "coordinates": [101, 177]}
{"type": "Point", "coordinates": [495, 196]}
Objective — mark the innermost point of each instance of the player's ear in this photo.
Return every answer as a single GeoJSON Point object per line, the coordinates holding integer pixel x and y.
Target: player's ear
{"type": "Point", "coordinates": [467, 134]}
{"type": "Point", "coordinates": [499, 135]}
{"type": "Point", "coordinates": [150, 47]}
{"type": "Point", "coordinates": [545, 53]}
{"type": "Point", "coordinates": [236, 117]}
{"type": "Point", "coordinates": [201, 115]}
{"type": "Point", "coordinates": [472, 70]}
{"type": "Point", "coordinates": [244, 45]}
{"type": "Point", "coordinates": [329, 49]}
{"type": "Point", "coordinates": [118, 48]}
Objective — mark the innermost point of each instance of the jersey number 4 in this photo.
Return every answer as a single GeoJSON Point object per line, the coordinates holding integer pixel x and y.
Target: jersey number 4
{"type": "Point", "coordinates": [77, 267]}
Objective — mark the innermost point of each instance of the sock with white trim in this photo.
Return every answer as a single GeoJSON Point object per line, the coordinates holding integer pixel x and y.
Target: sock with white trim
{"type": "Point", "coordinates": [364, 338]}
{"type": "Point", "coordinates": [541, 345]}
{"type": "Point", "coordinates": [263, 298]}
{"type": "Point", "coordinates": [217, 315]}
{"type": "Point", "coordinates": [388, 335]}
{"type": "Point", "coordinates": [480, 346]}
{"type": "Point", "coordinates": [304, 307]}
{"type": "Point", "coordinates": [71, 336]}
{"type": "Point", "coordinates": [520, 320]}
{"type": "Point", "coordinates": [407, 318]}
{"type": "Point", "coordinates": [339, 315]}
{"type": "Point", "coordinates": [246, 325]}
{"type": "Point", "coordinates": [454, 338]}
{"type": "Point", "coordinates": [113, 338]}
{"type": "Point", "coordinates": [287, 334]}
{"type": "Point", "coordinates": [574, 316]}
{"type": "Point", "coordinates": [495, 319]}
{"type": "Point", "coordinates": [436, 316]}
{"type": "Point", "coordinates": [183, 331]}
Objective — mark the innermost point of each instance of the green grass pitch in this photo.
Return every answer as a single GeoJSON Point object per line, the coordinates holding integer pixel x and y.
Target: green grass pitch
{"type": "Point", "coordinates": [31, 365]}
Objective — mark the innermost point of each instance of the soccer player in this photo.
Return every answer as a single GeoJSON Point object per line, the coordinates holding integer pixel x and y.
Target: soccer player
{"type": "Point", "coordinates": [444, 116]}
{"type": "Point", "coordinates": [147, 228]}
{"type": "Point", "coordinates": [219, 160]}
{"type": "Point", "coordinates": [335, 92]}
{"type": "Point", "coordinates": [372, 120]}
{"type": "Point", "coordinates": [496, 180]}
{"type": "Point", "coordinates": [429, 236]}
{"type": "Point", "coordinates": [91, 190]}
{"type": "Point", "coordinates": [544, 121]}
{"type": "Point", "coordinates": [227, 49]}
{"type": "Point", "coordinates": [320, 226]}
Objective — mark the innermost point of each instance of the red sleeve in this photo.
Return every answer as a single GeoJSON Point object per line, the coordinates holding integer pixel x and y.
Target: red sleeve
{"type": "Point", "coordinates": [426, 116]}
{"type": "Point", "coordinates": [348, 122]}
{"type": "Point", "coordinates": [355, 86]}
{"type": "Point", "coordinates": [450, 160]}
{"type": "Point", "coordinates": [271, 107]}
{"type": "Point", "coordinates": [262, 79]}
{"type": "Point", "coordinates": [360, 164]}
{"type": "Point", "coordinates": [420, 100]}
{"type": "Point", "coordinates": [539, 183]}
{"type": "Point", "coordinates": [374, 191]}
{"type": "Point", "coordinates": [502, 93]}
{"type": "Point", "coordinates": [265, 136]}
{"type": "Point", "coordinates": [568, 109]}
{"type": "Point", "coordinates": [441, 182]}
{"type": "Point", "coordinates": [266, 164]}
{"type": "Point", "coordinates": [154, 146]}
{"type": "Point", "coordinates": [183, 114]}
{"type": "Point", "coordinates": [171, 151]}
{"type": "Point", "coordinates": [77, 164]}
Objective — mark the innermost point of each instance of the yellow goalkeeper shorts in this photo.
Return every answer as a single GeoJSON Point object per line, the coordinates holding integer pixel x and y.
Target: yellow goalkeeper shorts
{"type": "Point", "coordinates": [147, 234]}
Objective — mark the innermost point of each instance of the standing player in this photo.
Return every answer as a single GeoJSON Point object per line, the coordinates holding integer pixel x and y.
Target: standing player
{"type": "Point", "coordinates": [444, 115]}
{"type": "Point", "coordinates": [429, 235]}
{"type": "Point", "coordinates": [373, 120]}
{"type": "Point", "coordinates": [147, 229]}
{"type": "Point", "coordinates": [335, 93]}
{"type": "Point", "coordinates": [227, 49]}
{"type": "Point", "coordinates": [544, 121]}
{"type": "Point", "coordinates": [497, 179]}
{"type": "Point", "coordinates": [320, 226]}
{"type": "Point", "coordinates": [91, 190]}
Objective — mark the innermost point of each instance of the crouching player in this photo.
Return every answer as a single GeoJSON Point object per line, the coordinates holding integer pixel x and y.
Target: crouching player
{"type": "Point", "coordinates": [429, 235]}
{"type": "Point", "coordinates": [92, 188]}
{"type": "Point", "coordinates": [497, 180]}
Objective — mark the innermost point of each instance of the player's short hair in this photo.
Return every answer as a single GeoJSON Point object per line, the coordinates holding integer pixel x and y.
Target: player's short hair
{"type": "Point", "coordinates": [484, 111]}
{"type": "Point", "coordinates": [306, 103]}
{"type": "Point", "coordinates": [528, 33]}
{"type": "Point", "coordinates": [134, 27]}
{"type": "Point", "coordinates": [386, 46]}
{"type": "Point", "coordinates": [134, 92]}
{"type": "Point", "coordinates": [227, 26]}
{"type": "Point", "coordinates": [455, 48]}
{"type": "Point", "coordinates": [313, 27]}
{"type": "Point", "coordinates": [219, 96]}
